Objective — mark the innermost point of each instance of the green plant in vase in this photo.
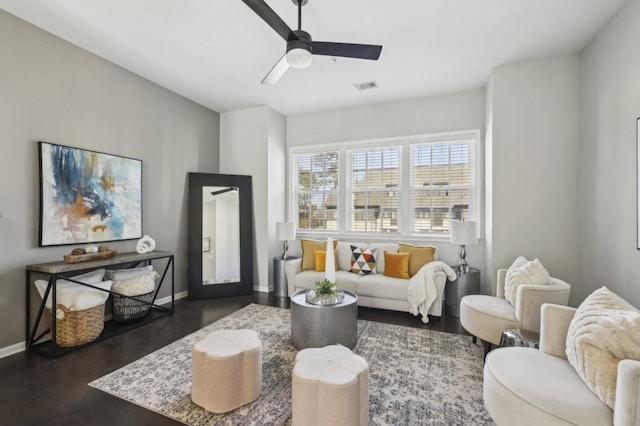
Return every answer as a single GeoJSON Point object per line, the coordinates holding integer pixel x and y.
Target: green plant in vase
{"type": "Point", "coordinates": [326, 288]}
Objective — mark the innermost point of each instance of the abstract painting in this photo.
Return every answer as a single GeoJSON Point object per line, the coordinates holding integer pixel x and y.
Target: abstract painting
{"type": "Point", "coordinates": [87, 196]}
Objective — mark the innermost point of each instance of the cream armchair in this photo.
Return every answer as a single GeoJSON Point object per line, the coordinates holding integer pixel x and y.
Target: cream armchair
{"type": "Point", "coordinates": [525, 386]}
{"type": "Point", "coordinates": [486, 317]}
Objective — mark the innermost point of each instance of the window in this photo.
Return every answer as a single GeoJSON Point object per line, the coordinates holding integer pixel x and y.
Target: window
{"type": "Point", "coordinates": [373, 182]}
{"type": "Point", "coordinates": [315, 190]}
{"type": "Point", "coordinates": [442, 184]}
{"type": "Point", "coordinates": [404, 186]}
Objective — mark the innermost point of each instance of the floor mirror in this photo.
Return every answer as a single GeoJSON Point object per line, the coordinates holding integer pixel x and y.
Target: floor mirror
{"type": "Point", "coordinates": [220, 235]}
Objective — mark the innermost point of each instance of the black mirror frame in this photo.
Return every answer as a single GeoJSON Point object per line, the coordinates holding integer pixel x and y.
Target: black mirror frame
{"type": "Point", "coordinates": [196, 289]}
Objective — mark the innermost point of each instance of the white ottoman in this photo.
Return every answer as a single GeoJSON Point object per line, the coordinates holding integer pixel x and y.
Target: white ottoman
{"type": "Point", "coordinates": [330, 386]}
{"type": "Point", "coordinates": [227, 370]}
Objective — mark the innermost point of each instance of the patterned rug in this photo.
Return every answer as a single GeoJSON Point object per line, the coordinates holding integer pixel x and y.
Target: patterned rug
{"type": "Point", "coordinates": [416, 376]}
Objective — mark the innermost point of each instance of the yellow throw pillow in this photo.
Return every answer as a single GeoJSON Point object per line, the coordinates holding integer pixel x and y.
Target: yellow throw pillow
{"type": "Point", "coordinates": [321, 259]}
{"type": "Point", "coordinates": [308, 255]}
{"type": "Point", "coordinates": [418, 256]}
{"type": "Point", "coordinates": [396, 265]}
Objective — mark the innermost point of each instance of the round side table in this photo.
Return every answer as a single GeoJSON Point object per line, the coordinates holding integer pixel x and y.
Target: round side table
{"type": "Point", "coordinates": [316, 326]}
{"type": "Point", "coordinates": [518, 337]}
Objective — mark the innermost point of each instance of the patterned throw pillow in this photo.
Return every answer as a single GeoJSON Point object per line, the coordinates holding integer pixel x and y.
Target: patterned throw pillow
{"type": "Point", "coordinates": [363, 261]}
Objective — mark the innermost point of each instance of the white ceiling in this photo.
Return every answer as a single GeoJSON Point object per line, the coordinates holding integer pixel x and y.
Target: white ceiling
{"type": "Point", "coordinates": [216, 52]}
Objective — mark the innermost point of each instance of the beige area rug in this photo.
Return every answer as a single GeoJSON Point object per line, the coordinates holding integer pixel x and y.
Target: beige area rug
{"type": "Point", "coordinates": [416, 376]}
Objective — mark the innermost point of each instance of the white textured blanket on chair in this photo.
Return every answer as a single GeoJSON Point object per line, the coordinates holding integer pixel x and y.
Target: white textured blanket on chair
{"type": "Point", "coordinates": [422, 290]}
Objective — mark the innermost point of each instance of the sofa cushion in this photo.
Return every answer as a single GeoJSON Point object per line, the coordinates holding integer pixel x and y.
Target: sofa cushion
{"type": "Point", "coordinates": [308, 254]}
{"type": "Point", "coordinates": [382, 247]}
{"type": "Point", "coordinates": [321, 260]}
{"type": "Point", "coordinates": [343, 258]}
{"type": "Point", "coordinates": [418, 256]}
{"type": "Point", "coordinates": [363, 260]}
{"type": "Point", "coordinates": [379, 286]}
{"type": "Point", "coordinates": [525, 386]}
{"type": "Point", "coordinates": [487, 316]}
{"type": "Point", "coordinates": [344, 280]}
{"type": "Point", "coordinates": [396, 265]}
{"type": "Point", "coordinates": [604, 330]}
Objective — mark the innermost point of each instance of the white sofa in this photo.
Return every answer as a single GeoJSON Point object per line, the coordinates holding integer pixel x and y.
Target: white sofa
{"type": "Point", "coordinates": [526, 386]}
{"type": "Point", "coordinates": [373, 290]}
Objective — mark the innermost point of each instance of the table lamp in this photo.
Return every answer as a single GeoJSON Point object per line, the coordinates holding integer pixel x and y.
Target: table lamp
{"type": "Point", "coordinates": [285, 231]}
{"type": "Point", "coordinates": [463, 233]}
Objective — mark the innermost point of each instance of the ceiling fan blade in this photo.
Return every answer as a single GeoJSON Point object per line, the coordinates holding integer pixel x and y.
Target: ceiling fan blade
{"type": "Point", "coordinates": [271, 18]}
{"type": "Point", "coordinates": [277, 71]}
{"type": "Point", "coordinates": [347, 50]}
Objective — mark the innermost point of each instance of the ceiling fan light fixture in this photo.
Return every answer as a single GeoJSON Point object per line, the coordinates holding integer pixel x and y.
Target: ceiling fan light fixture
{"type": "Point", "coordinates": [299, 58]}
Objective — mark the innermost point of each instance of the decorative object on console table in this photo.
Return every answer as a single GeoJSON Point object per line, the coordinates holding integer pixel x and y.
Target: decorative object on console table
{"type": "Point", "coordinates": [89, 253]}
{"type": "Point", "coordinates": [466, 283]}
{"type": "Point", "coordinates": [285, 231]}
{"type": "Point", "coordinates": [463, 233]}
{"type": "Point", "coordinates": [88, 196]}
{"type": "Point", "coordinates": [145, 244]}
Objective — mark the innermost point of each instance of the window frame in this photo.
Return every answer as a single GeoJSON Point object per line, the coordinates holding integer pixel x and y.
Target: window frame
{"type": "Point", "coordinates": [404, 217]}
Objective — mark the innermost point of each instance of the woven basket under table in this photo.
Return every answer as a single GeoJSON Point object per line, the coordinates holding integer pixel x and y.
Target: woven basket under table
{"type": "Point", "coordinates": [127, 309]}
{"type": "Point", "coordinates": [79, 327]}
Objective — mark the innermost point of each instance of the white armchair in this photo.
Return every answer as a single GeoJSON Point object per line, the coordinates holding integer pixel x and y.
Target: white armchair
{"type": "Point", "coordinates": [486, 317]}
{"type": "Point", "coordinates": [525, 386]}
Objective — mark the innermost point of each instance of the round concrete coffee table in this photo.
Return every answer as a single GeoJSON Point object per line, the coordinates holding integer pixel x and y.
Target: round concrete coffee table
{"type": "Point", "coordinates": [316, 326]}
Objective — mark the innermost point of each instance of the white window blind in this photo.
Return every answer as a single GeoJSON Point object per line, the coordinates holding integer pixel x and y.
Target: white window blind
{"type": "Point", "coordinates": [314, 197]}
{"type": "Point", "coordinates": [374, 190]}
{"type": "Point", "coordinates": [411, 186]}
{"type": "Point", "coordinates": [443, 184]}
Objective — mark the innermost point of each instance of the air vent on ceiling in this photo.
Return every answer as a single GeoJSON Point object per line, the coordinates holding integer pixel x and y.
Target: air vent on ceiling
{"type": "Point", "coordinates": [366, 85]}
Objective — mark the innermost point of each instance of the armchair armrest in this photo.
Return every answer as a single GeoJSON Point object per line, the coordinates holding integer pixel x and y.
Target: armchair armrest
{"type": "Point", "coordinates": [554, 326]}
{"type": "Point", "coordinates": [531, 297]}
{"type": "Point", "coordinates": [502, 274]}
{"type": "Point", "coordinates": [627, 408]}
{"type": "Point", "coordinates": [291, 269]}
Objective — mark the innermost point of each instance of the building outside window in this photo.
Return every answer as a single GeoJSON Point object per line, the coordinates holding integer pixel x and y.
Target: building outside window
{"type": "Point", "coordinates": [409, 186]}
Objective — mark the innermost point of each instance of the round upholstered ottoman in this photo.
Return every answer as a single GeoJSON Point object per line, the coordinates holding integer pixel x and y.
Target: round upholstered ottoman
{"type": "Point", "coordinates": [330, 386]}
{"type": "Point", "coordinates": [227, 370]}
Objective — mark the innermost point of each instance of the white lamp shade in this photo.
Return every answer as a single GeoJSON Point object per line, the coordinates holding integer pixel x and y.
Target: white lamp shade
{"type": "Point", "coordinates": [285, 231]}
{"type": "Point", "coordinates": [464, 233]}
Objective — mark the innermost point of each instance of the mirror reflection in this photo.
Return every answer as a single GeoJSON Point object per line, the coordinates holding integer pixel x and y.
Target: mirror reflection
{"type": "Point", "coordinates": [220, 235]}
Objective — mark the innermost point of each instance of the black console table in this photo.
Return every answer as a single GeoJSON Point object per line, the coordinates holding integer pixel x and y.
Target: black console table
{"type": "Point", "coordinates": [55, 270]}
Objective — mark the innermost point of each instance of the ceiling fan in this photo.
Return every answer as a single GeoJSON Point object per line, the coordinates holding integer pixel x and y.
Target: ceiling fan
{"type": "Point", "coordinates": [300, 47]}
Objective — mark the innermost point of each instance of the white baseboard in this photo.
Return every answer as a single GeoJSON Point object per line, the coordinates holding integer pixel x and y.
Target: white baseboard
{"type": "Point", "coordinates": [261, 289]}
{"type": "Point", "coordinates": [13, 349]}
{"type": "Point", "coordinates": [167, 299]}
{"type": "Point", "coordinates": [21, 346]}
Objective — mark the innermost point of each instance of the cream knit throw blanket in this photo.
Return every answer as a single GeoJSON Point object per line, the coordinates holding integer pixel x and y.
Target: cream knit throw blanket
{"type": "Point", "coordinates": [604, 331]}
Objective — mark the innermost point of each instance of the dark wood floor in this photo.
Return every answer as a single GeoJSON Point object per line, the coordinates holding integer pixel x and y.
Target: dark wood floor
{"type": "Point", "coordinates": [35, 390]}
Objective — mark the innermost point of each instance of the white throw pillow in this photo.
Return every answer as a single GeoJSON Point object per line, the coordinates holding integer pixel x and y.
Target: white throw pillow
{"type": "Point", "coordinates": [136, 286]}
{"type": "Point", "coordinates": [523, 272]}
{"type": "Point", "coordinates": [125, 274]}
{"type": "Point", "coordinates": [76, 297]}
{"type": "Point", "coordinates": [604, 330]}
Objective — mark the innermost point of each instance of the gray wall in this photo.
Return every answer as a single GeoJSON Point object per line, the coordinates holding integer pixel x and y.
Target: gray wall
{"type": "Point", "coordinates": [446, 113]}
{"type": "Point", "coordinates": [532, 166]}
{"type": "Point", "coordinates": [610, 105]}
{"type": "Point", "coordinates": [53, 91]}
